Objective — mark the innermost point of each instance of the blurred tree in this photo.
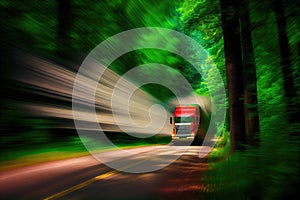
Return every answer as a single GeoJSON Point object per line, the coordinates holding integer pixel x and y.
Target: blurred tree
{"type": "Point", "coordinates": [64, 18]}
{"type": "Point", "coordinates": [286, 65]}
{"type": "Point", "coordinates": [250, 81]}
{"type": "Point", "coordinates": [234, 72]}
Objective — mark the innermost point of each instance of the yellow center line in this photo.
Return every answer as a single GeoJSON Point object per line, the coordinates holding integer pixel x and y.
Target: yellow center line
{"type": "Point", "coordinates": [82, 185]}
{"type": "Point", "coordinates": [90, 181]}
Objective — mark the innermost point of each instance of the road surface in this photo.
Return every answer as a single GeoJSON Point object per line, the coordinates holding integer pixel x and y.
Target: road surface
{"type": "Point", "coordinates": [86, 178]}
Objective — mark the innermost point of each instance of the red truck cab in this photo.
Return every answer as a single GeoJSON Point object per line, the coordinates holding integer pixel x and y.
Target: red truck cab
{"type": "Point", "coordinates": [186, 121]}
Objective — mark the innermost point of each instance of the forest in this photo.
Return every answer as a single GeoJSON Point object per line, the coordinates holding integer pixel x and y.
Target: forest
{"type": "Point", "coordinates": [254, 45]}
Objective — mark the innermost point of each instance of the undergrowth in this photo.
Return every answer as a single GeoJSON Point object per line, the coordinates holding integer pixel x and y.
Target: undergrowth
{"type": "Point", "coordinates": [270, 171]}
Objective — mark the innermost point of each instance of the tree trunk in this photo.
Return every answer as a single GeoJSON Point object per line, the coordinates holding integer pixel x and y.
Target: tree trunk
{"type": "Point", "coordinates": [234, 72]}
{"type": "Point", "coordinates": [250, 83]}
{"type": "Point", "coordinates": [286, 66]}
{"type": "Point", "coordinates": [64, 27]}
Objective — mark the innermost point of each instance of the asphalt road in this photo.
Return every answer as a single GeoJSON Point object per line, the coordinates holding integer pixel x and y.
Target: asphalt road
{"type": "Point", "coordinates": [86, 178]}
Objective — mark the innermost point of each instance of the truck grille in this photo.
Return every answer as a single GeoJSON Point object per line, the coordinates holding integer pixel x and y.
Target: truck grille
{"type": "Point", "coordinates": [183, 131]}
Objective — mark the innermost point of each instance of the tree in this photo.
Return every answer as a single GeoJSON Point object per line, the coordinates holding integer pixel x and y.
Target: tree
{"type": "Point", "coordinates": [64, 27]}
{"type": "Point", "coordinates": [285, 57]}
{"type": "Point", "coordinates": [250, 81]}
{"type": "Point", "coordinates": [234, 71]}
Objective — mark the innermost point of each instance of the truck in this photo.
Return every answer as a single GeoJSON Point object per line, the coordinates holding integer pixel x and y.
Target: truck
{"type": "Point", "coordinates": [189, 121]}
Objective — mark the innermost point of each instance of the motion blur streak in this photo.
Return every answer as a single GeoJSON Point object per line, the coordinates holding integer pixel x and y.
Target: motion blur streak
{"type": "Point", "coordinates": [52, 81]}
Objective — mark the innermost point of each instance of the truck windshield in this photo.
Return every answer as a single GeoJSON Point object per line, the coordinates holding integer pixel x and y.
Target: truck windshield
{"type": "Point", "coordinates": [184, 119]}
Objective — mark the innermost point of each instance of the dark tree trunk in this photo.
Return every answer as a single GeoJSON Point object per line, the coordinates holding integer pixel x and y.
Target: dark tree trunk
{"type": "Point", "coordinates": [250, 83]}
{"type": "Point", "coordinates": [64, 27]}
{"type": "Point", "coordinates": [286, 66]}
{"type": "Point", "coordinates": [234, 72]}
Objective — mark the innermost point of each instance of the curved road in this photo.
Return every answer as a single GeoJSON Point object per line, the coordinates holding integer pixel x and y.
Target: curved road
{"type": "Point", "coordinates": [87, 178]}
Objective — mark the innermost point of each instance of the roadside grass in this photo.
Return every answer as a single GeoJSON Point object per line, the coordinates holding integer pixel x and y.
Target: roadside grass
{"type": "Point", "coordinates": [221, 148]}
{"type": "Point", "coordinates": [29, 155]}
{"type": "Point", "coordinates": [270, 171]}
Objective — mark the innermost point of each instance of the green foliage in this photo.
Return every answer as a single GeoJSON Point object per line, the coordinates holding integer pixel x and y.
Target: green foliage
{"type": "Point", "coordinates": [201, 21]}
{"type": "Point", "coordinates": [271, 170]}
{"type": "Point", "coordinates": [19, 129]}
{"type": "Point", "coordinates": [30, 25]}
{"type": "Point", "coordinates": [221, 148]}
